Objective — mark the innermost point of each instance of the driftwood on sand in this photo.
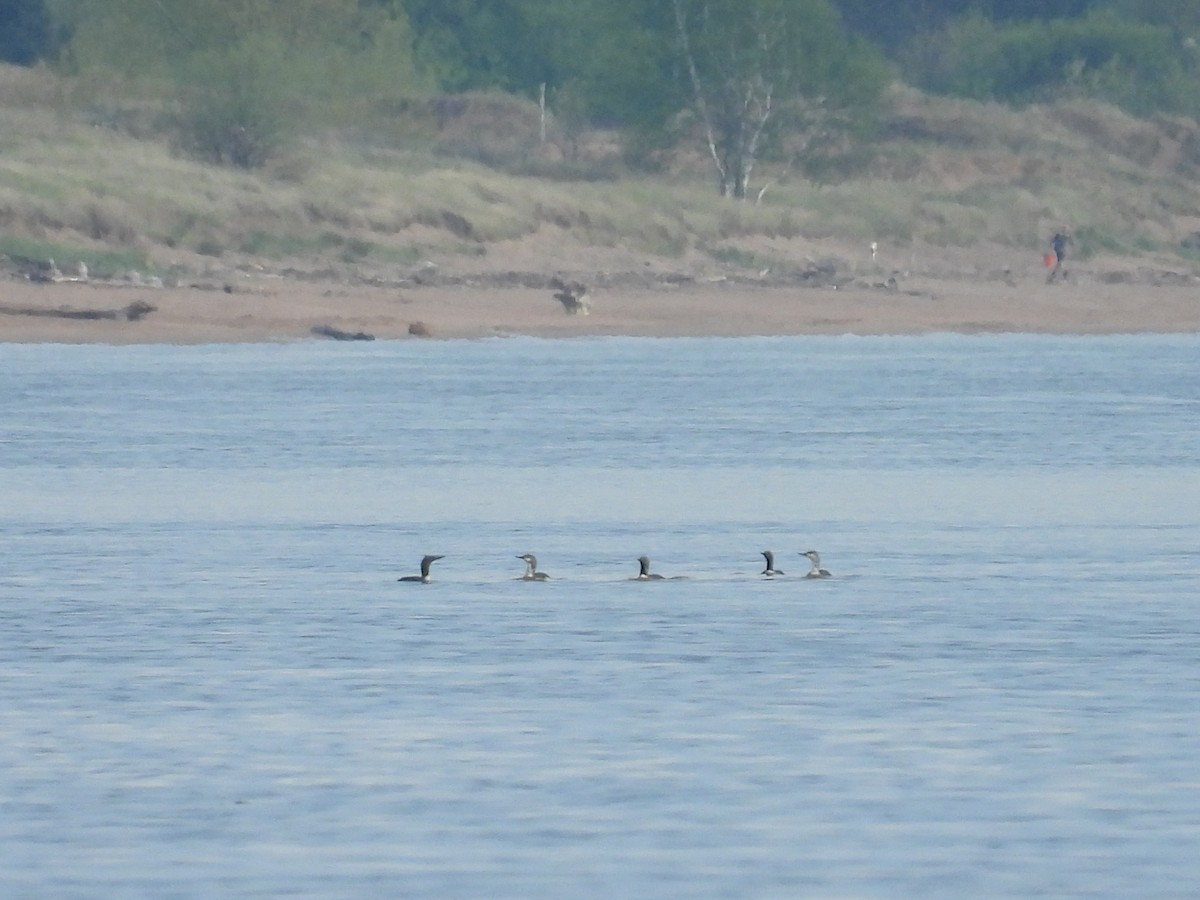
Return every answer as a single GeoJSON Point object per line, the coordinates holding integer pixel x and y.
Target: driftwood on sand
{"type": "Point", "coordinates": [338, 335]}
{"type": "Point", "coordinates": [138, 309]}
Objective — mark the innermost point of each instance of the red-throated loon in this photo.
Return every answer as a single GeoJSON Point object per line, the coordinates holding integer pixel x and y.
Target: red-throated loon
{"type": "Point", "coordinates": [770, 569]}
{"type": "Point", "coordinates": [644, 573]}
{"type": "Point", "coordinates": [531, 572]}
{"type": "Point", "coordinates": [423, 578]}
{"type": "Point", "coordinates": [816, 571]}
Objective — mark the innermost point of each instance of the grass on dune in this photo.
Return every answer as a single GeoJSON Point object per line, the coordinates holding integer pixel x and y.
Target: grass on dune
{"type": "Point", "coordinates": [944, 173]}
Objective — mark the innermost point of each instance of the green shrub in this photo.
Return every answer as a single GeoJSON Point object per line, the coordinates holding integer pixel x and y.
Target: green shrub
{"type": "Point", "coordinates": [242, 80]}
{"type": "Point", "coordinates": [1134, 65]}
{"type": "Point", "coordinates": [235, 105]}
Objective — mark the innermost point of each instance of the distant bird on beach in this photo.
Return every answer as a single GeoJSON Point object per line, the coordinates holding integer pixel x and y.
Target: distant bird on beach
{"type": "Point", "coordinates": [573, 296]}
{"type": "Point", "coordinates": [423, 578]}
{"type": "Point", "coordinates": [816, 571]}
{"type": "Point", "coordinates": [770, 569]}
{"type": "Point", "coordinates": [531, 572]}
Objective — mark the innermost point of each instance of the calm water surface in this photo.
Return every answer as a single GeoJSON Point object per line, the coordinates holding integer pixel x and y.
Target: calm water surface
{"type": "Point", "coordinates": [211, 683]}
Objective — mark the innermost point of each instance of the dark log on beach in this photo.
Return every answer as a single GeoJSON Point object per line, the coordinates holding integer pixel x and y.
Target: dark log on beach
{"type": "Point", "coordinates": [137, 310]}
{"type": "Point", "coordinates": [338, 335]}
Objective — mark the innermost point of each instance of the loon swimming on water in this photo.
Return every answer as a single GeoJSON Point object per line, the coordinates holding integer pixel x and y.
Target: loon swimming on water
{"type": "Point", "coordinates": [816, 571]}
{"type": "Point", "coordinates": [770, 569]}
{"type": "Point", "coordinates": [423, 578]}
{"type": "Point", "coordinates": [644, 573]}
{"type": "Point", "coordinates": [531, 572]}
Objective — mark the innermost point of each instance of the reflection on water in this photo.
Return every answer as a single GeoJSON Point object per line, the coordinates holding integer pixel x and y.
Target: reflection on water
{"type": "Point", "coordinates": [209, 675]}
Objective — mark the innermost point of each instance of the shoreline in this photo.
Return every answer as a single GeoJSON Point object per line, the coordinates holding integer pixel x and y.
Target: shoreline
{"type": "Point", "coordinates": [268, 309]}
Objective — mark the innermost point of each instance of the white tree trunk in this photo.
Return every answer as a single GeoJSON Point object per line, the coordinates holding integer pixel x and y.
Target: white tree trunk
{"type": "Point", "coordinates": [701, 104]}
{"type": "Point", "coordinates": [733, 130]}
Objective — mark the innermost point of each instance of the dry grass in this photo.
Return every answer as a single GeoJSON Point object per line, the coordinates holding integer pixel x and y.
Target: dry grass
{"type": "Point", "coordinates": [945, 173]}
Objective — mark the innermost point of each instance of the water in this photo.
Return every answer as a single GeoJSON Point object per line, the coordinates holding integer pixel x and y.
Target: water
{"type": "Point", "coordinates": [212, 684]}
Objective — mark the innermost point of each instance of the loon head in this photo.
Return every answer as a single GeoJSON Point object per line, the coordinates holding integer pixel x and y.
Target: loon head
{"type": "Point", "coordinates": [531, 572]}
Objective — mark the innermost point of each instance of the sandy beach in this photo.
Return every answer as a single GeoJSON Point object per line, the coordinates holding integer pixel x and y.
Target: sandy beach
{"type": "Point", "coordinates": [260, 307]}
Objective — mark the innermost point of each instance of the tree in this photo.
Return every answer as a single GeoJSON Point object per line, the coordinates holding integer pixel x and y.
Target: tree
{"type": "Point", "coordinates": [477, 44]}
{"type": "Point", "coordinates": [754, 66]}
{"type": "Point", "coordinates": [1181, 16]}
{"type": "Point", "coordinates": [244, 77]}
{"type": "Point", "coordinates": [1141, 67]}
{"type": "Point", "coordinates": [25, 32]}
{"type": "Point", "coordinates": [892, 25]}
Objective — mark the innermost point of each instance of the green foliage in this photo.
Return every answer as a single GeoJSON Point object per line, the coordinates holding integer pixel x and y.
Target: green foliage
{"type": "Point", "coordinates": [26, 34]}
{"type": "Point", "coordinates": [606, 59]}
{"type": "Point", "coordinates": [1181, 16]}
{"type": "Point", "coordinates": [245, 77]}
{"type": "Point", "coordinates": [235, 105]}
{"type": "Point", "coordinates": [1136, 66]}
{"type": "Point", "coordinates": [758, 70]}
{"type": "Point", "coordinates": [620, 56]}
{"type": "Point", "coordinates": [760, 67]}
{"type": "Point", "coordinates": [478, 44]}
{"type": "Point", "coordinates": [893, 25]}
{"type": "Point", "coordinates": [778, 83]}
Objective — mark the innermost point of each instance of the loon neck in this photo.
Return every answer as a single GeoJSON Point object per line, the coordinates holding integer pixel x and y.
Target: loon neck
{"type": "Point", "coordinates": [770, 569]}
{"type": "Point", "coordinates": [426, 562]}
{"type": "Point", "coordinates": [644, 573]}
{"type": "Point", "coordinates": [816, 571]}
{"type": "Point", "coordinates": [531, 572]}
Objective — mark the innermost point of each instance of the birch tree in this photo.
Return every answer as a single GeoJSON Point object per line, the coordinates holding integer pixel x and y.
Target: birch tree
{"type": "Point", "coordinates": [754, 66]}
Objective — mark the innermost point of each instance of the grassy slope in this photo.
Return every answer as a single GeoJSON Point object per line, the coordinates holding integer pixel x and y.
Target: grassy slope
{"type": "Point", "coordinates": [945, 174]}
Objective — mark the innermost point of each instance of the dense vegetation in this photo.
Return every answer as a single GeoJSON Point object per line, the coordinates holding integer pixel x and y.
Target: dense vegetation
{"type": "Point", "coordinates": [352, 131]}
{"type": "Point", "coordinates": [751, 79]}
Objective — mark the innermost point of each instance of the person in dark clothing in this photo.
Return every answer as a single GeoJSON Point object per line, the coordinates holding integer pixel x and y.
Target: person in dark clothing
{"type": "Point", "coordinates": [1058, 244]}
